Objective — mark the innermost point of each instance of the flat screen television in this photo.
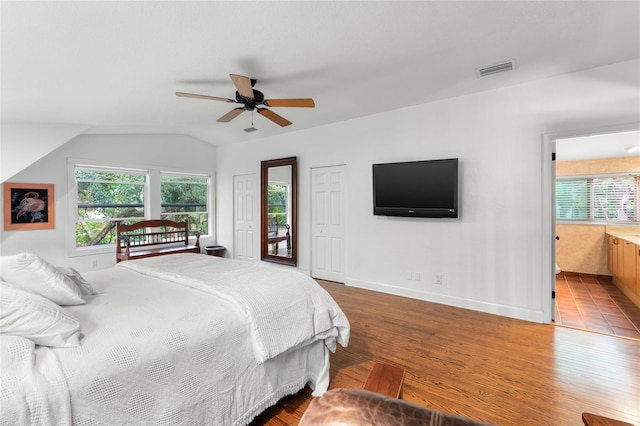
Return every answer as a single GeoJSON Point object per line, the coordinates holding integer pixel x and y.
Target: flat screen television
{"type": "Point", "coordinates": [416, 189]}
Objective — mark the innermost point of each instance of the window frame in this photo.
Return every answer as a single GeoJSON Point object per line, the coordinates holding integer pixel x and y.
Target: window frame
{"type": "Point", "coordinates": [589, 178]}
{"type": "Point", "coordinates": [207, 211]}
{"type": "Point", "coordinates": [152, 196]}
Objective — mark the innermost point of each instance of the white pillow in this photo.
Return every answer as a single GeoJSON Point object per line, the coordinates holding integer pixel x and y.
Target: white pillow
{"type": "Point", "coordinates": [31, 272]}
{"type": "Point", "coordinates": [85, 286]}
{"type": "Point", "coordinates": [33, 317]}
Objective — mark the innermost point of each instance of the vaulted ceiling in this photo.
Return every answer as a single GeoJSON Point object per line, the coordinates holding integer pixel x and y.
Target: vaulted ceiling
{"type": "Point", "coordinates": [114, 67]}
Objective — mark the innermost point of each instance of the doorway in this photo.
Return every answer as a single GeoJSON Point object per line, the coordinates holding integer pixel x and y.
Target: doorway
{"type": "Point", "coordinates": [585, 296]}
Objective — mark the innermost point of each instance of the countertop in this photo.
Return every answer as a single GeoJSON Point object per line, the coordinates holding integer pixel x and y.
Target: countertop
{"type": "Point", "coordinates": [632, 237]}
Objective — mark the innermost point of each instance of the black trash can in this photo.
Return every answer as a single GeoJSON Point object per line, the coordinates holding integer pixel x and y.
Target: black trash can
{"type": "Point", "coordinates": [215, 250]}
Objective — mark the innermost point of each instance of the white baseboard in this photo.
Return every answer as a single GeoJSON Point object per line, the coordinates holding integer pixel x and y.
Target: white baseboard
{"type": "Point", "coordinates": [475, 305]}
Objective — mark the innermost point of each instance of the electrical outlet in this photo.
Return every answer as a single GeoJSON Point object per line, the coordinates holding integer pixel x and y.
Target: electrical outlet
{"type": "Point", "coordinates": [438, 279]}
{"type": "Point", "coordinates": [413, 276]}
{"type": "Point", "coordinates": [94, 264]}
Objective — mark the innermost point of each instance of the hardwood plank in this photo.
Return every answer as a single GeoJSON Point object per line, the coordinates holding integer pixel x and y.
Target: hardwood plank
{"type": "Point", "coordinates": [491, 368]}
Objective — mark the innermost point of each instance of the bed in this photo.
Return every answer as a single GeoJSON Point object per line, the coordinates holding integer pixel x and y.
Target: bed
{"type": "Point", "coordinates": [170, 340]}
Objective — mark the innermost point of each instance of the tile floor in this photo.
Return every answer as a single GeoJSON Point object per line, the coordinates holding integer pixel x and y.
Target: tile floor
{"type": "Point", "coordinates": [594, 303]}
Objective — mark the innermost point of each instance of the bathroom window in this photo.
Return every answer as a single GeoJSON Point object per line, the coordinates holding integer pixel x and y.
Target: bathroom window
{"type": "Point", "coordinates": [598, 198]}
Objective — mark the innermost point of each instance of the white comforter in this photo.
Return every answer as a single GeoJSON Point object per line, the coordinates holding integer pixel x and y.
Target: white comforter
{"type": "Point", "coordinates": [33, 389]}
{"type": "Point", "coordinates": [155, 352]}
{"type": "Point", "coordinates": [285, 308]}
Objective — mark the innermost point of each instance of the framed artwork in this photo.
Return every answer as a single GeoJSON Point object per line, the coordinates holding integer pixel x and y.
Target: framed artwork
{"type": "Point", "coordinates": [28, 206]}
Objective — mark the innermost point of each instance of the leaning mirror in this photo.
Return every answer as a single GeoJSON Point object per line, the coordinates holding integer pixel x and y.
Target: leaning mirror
{"type": "Point", "coordinates": [279, 211]}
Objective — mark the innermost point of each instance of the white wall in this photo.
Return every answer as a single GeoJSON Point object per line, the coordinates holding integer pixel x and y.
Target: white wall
{"type": "Point", "coordinates": [23, 144]}
{"type": "Point", "coordinates": [178, 152]}
{"type": "Point", "coordinates": [491, 257]}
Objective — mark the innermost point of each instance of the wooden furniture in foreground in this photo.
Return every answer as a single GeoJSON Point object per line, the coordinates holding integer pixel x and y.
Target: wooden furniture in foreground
{"type": "Point", "coordinates": [149, 238]}
{"type": "Point", "coordinates": [488, 367]}
{"type": "Point", "coordinates": [356, 407]}
{"type": "Point", "coordinates": [385, 379]}
{"type": "Point", "coordinates": [595, 420]}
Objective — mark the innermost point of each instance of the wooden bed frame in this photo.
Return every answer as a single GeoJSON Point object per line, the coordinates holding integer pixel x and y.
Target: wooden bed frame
{"type": "Point", "coordinates": [147, 239]}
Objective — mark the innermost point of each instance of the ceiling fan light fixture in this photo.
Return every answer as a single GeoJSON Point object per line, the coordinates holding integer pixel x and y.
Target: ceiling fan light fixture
{"type": "Point", "coordinates": [250, 100]}
{"type": "Point", "coordinates": [496, 69]}
{"type": "Point", "coordinates": [250, 129]}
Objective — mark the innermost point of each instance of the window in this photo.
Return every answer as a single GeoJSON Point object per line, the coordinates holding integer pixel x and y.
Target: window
{"type": "Point", "coordinates": [105, 196]}
{"type": "Point", "coordinates": [602, 198]}
{"type": "Point", "coordinates": [185, 197]}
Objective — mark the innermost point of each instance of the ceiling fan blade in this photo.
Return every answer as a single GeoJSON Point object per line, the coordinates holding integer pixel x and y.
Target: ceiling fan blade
{"type": "Point", "coordinates": [243, 85]}
{"type": "Point", "coordinates": [211, 98]}
{"type": "Point", "coordinates": [300, 103]}
{"type": "Point", "coordinates": [230, 115]}
{"type": "Point", "coordinates": [281, 121]}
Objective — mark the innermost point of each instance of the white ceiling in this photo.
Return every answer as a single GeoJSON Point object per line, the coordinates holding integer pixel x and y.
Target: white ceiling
{"type": "Point", "coordinates": [115, 66]}
{"type": "Point", "coordinates": [608, 145]}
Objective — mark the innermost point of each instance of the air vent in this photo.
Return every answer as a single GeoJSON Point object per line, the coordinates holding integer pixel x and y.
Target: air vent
{"type": "Point", "coordinates": [250, 129]}
{"type": "Point", "coordinates": [495, 69]}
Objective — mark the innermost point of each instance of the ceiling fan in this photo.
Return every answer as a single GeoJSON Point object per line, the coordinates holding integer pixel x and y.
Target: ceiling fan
{"type": "Point", "coordinates": [251, 99]}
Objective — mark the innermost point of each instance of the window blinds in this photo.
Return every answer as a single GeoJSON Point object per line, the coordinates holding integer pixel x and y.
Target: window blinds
{"type": "Point", "coordinates": [599, 198]}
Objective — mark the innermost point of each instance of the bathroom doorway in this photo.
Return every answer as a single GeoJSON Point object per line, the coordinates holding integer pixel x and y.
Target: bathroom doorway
{"type": "Point", "coordinates": [590, 167]}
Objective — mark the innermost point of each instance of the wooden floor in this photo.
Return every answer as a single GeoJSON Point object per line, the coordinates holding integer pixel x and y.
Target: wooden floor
{"type": "Point", "coordinates": [594, 303]}
{"type": "Point", "coordinates": [488, 367]}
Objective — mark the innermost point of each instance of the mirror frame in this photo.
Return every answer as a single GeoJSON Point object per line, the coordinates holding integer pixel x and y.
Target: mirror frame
{"type": "Point", "coordinates": [264, 222]}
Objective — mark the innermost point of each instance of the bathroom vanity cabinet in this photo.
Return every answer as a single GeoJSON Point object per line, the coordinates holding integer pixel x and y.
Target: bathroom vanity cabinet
{"type": "Point", "coordinates": [628, 277]}
{"type": "Point", "coordinates": [624, 263]}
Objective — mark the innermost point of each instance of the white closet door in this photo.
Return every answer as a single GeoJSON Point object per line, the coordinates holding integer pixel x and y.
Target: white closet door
{"type": "Point", "coordinates": [245, 216]}
{"type": "Point", "coordinates": [328, 188]}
